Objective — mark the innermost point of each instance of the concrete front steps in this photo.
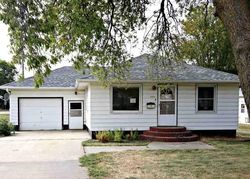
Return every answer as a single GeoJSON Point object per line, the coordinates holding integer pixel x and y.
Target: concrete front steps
{"type": "Point", "coordinates": [169, 134]}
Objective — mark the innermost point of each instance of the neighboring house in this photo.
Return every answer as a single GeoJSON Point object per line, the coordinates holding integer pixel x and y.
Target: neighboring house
{"type": "Point", "coordinates": [198, 98]}
{"type": "Point", "coordinates": [243, 115]}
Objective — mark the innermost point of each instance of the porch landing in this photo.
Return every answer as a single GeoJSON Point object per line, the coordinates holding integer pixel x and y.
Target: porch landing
{"type": "Point", "coordinates": [169, 134]}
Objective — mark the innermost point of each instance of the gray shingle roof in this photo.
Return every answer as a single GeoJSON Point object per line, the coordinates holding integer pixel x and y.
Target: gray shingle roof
{"type": "Point", "coordinates": [141, 70]}
{"type": "Point", "coordinates": [61, 77]}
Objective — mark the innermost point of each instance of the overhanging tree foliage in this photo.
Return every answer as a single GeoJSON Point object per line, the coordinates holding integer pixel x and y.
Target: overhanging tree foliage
{"type": "Point", "coordinates": [7, 74]}
{"type": "Point", "coordinates": [94, 33]}
{"type": "Point", "coordinates": [89, 33]}
{"type": "Point", "coordinates": [206, 41]}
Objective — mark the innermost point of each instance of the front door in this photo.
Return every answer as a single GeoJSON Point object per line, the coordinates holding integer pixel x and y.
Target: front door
{"type": "Point", "coordinates": [75, 114]}
{"type": "Point", "coordinates": [167, 106]}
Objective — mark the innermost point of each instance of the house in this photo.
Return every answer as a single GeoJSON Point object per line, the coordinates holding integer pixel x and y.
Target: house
{"type": "Point", "coordinates": [201, 99]}
{"type": "Point", "coordinates": [243, 115]}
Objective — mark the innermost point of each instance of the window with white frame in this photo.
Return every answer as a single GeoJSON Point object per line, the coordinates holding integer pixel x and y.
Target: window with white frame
{"type": "Point", "coordinates": [242, 108]}
{"type": "Point", "coordinates": [126, 98]}
{"type": "Point", "coordinates": [206, 98]}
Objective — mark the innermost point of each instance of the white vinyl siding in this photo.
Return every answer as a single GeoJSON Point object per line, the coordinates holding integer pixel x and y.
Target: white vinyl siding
{"type": "Point", "coordinates": [243, 116]}
{"type": "Point", "coordinates": [225, 116]}
{"type": "Point", "coordinates": [98, 115]}
{"type": "Point", "coordinates": [87, 113]}
{"type": "Point", "coordinates": [102, 117]}
{"type": "Point", "coordinates": [66, 94]}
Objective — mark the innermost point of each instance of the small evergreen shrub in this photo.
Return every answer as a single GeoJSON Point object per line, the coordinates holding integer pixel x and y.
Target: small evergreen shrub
{"type": "Point", "coordinates": [111, 135]}
{"type": "Point", "coordinates": [118, 134]}
{"type": "Point", "coordinates": [134, 135]}
{"type": "Point", "coordinates": [5, 126]}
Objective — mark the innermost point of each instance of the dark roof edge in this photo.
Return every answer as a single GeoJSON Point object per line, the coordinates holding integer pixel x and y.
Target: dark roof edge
{"type": "Point", "coordinates": [128, 81]}
{"type": "Point", "coordinates": [165, 81]}
{"type": "Point", "coordinates": [45, 88]}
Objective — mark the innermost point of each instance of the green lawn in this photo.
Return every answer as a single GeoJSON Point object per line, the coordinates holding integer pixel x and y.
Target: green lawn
{"type": "Point", "coordinates": [123, 143]}
{"type": "Point", "coordinates": [230, 159]}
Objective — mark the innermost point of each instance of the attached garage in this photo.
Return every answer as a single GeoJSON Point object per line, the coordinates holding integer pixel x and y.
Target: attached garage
{"type": "Point", "coordinates": [40, 113]}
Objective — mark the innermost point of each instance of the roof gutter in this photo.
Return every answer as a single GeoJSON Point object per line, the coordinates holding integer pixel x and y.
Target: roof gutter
{"type": "Point", "coordinates": [129, 81]}
{"type": "Point", "coordinates": [34, 88]}
{"type": "Point", "coordinates": [164, 81]}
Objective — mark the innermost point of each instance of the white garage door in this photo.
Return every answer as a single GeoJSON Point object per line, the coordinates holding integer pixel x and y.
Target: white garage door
{"type": "Point", "coordinates": [40, 113]}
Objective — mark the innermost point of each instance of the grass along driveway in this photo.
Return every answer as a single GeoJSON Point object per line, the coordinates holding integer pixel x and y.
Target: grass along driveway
{"type": "Point", "coordinates": [93, 143]}
{"type": "Point", "coordinates": [230, 159]}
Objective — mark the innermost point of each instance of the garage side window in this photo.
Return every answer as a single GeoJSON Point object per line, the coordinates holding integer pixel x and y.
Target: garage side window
{"type": "Point", "coordinates": [126, 99]}
{"type": "Point", "coordinates": [206, 98]}
{"type": "Point", "coordinates": [75, 109]}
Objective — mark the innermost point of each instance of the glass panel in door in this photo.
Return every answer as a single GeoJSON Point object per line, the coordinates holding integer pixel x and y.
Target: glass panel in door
{"type": "Point", "coordinates": [167, 105]}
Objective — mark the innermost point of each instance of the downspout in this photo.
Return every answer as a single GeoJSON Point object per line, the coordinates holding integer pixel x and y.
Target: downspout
{"type": "Point", "coordinates": [177, 104]}
{"type": "Point", "coordinates": [157, 102]}
{"type": "Point", "coordinates": [76, 86]}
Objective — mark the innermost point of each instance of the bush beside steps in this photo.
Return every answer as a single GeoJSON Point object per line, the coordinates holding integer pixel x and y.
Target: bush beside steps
{"type": "Point", "coordinates": [116, 136]}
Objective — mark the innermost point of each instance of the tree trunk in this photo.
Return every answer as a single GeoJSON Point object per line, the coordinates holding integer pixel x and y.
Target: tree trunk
{"type": "Point", "coordinates": [235, 14]}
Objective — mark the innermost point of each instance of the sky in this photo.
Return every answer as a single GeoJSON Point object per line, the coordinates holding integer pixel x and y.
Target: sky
{"type": "Point", "coordinates": [4, 43]}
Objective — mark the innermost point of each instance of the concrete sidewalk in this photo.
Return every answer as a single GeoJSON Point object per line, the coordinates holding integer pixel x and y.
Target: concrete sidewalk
{"type": "Point", "coordinates": [151, 146]}
{"type": "Point", "coordinates": [179, 145]}
{"type": "Point", "coordinates": [99, 149]}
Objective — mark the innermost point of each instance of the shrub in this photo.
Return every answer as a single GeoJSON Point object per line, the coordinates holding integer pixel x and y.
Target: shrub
{"type": "Point", "coordinates": [134, 135]}
{"type": "Point", "coordinates": [111, 135]}
{"type": "Point", "coordinates": [118, 135]}
{"type": "Point", "coordinates": [5, 126]}
{"type": "Point", "coordinates": [128, 137]}
{"type": "Point", "coordinates": [105, 136]}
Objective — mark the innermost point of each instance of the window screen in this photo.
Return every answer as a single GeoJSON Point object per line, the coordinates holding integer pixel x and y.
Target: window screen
{"type": "Point", "coordinates": [167, 107]}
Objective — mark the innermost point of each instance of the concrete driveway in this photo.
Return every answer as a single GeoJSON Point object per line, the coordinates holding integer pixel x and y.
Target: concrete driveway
{"type": "Point", "coordinates": [42, 154]}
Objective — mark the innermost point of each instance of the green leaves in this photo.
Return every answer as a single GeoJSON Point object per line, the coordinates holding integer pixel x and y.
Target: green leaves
{"type": "Point", "coordinates": [91, 33]}
{"type": "Point", "coordinates": [7, 72]}
{"type": "Point", "coordinates": [206, 41]}
{"type": "Point", "coordinates": [95, 34]}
